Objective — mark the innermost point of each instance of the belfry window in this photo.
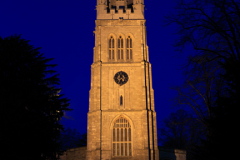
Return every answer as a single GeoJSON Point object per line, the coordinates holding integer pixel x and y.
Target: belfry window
{"type": "Point", "coordinates": [111, 48]}
{"type": "Point", "coordinates": [122, 140]}
{"type": "Point", "coordinates": [129, 48]}
{"type": "Point", "coordinates": [120, 48]}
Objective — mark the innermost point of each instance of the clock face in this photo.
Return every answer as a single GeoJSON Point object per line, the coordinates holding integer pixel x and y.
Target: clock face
{"type": "Point", "coordinates": [121, 78]}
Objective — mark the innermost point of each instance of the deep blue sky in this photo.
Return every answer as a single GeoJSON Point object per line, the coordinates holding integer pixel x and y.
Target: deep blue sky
{"type": "Point", "coordinates": [64, 30]}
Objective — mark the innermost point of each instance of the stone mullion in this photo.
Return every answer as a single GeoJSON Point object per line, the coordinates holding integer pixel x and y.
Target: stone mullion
{"type": "Point", "coordinates": [127, 143]}
{"type": "Point", "coordinates": [124, 139]}
{"type": "Point", "coordinates": [115, 141]}
{"type": "Point", "coordinates": [121, 136]}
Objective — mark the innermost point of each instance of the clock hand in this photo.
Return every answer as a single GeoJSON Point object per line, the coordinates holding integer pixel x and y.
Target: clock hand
{"type": "Point", "coordinates": [119, 78]}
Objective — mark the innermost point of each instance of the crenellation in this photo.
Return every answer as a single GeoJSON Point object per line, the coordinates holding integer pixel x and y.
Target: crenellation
{"type": "Point", "coordinates": [120, 9]}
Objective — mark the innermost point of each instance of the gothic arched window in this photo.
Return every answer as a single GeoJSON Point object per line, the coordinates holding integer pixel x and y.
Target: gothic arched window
{"type": "Point", "coordinates": [120, 48]}
{"type": "Point", "coordinates": [111, 48]}
{"type": "Point", "coordinates": [122, 138]}
{"type": "Point", "coordinates": [129, 48]}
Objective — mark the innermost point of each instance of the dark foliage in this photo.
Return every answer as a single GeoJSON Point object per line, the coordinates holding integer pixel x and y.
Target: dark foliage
{"type": "Point", "coordinates": [71, 138]}
{"type": "Point", "coordinates": [181, 131]}
{"type": "Point", "coordinates": [223, 130]}
{"type": "Point", "coordinates": [212, 28]}
{"type": "Point", "coordinates": [200, 88]}
{"type": "Point", "coordinates": [30, 102]}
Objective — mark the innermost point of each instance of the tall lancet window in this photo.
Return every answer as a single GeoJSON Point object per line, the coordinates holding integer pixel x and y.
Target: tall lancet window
{"type": "Point", "coordinates": [111, 48]}
{"type": "Point", "coordinates": [129, 48]}
{"type": "Point", "coordinates": [120, 48]}
{"type": "Point", "coordinates": [122, 138]}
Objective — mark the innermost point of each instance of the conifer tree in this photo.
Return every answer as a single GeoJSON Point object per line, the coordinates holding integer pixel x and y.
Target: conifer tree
{"type": "Point", "coordinates": [30, 101]}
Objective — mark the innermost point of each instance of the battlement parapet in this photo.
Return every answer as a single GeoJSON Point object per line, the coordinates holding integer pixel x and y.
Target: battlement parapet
{"type": "Point", "coordinates": [137, 12]}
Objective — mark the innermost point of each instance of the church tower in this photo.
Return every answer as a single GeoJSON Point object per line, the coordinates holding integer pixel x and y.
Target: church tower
{"type": "Point", "coordinates": [121, 117]}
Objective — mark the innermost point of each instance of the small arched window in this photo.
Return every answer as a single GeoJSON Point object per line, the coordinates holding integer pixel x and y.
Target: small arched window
{"type": "Point", "coordinates": [111, 48]}
{"type": "Point", "coordinates": [120, 48]}
{"type": "Point", "coordinates": [122, 138]}
{"type": "Point", "coordinates": [129, 48]}
{"type": "Point", "coordinates": [121, 100]}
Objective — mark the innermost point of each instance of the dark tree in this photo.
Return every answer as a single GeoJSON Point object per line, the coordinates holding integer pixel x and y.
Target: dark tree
{"type": "Point", "coordinates": [180, 131]}
{"type": "Point", "coordinates": [199, 95]}
{"type": "Point", "coordinates": [212, 28]}
{"type": "Point", "coordinates": [200, 88]}
{"type": "Point", "coordinates": [71, 138]}
{"type": "Point", "coordinates": [209, 26]}
{"type": "Point", "coordinates": [31, 103]}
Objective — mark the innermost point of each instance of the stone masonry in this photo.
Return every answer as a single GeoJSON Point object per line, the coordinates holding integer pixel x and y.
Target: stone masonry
{"type": "Point", "coordinates": [121, 118]}
{"type": "Point", "coordinates": [121, 19]}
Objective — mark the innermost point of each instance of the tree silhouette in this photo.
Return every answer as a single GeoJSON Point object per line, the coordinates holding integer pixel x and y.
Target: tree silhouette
{"type": "Point", "coordinates": [201, 86]}
{"type": "Point", "coordinates": [180, 131]}
{"type": "Point", "coordinates": [31, 102]}
{"type": "Point", "coordinates": [71, 138]}
{"type": "Point", "coordinates": [212, 28]}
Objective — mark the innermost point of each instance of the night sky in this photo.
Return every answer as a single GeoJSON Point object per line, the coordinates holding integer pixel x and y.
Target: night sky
{"type": "Point", "coordinates": [64, 30]}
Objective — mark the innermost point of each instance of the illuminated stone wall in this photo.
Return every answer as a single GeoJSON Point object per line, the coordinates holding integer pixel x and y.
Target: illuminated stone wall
{"type": "Point", "coordinates": [137, 103]}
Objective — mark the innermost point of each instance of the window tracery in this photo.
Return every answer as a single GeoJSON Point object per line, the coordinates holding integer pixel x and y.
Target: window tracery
{"type": "Point", "coordinates": [120, 48]}
{"type": "Point", "coordinates": [123, 49]}
{"type": "Point", "coordinates": [129, 48]}
{"type": "Point", "coordinates": [122, 140]}
{"type": "Point", "coordinates": [111, 48]}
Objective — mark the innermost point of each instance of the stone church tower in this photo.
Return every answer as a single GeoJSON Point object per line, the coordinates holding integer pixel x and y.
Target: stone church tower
{"type": "Point", "coordinates": [121, 117]}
